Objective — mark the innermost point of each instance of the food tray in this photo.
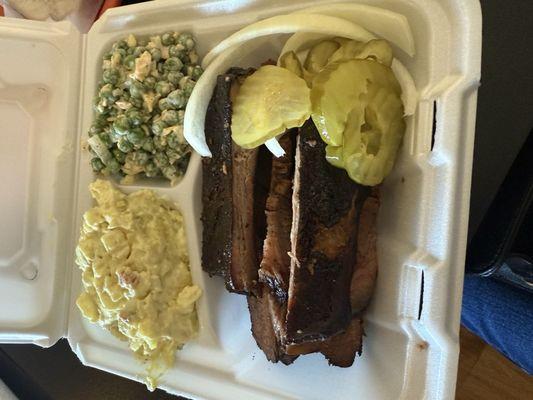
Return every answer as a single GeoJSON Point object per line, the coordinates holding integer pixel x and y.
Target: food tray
{"type": "Point", "coordinates": [412, 325]}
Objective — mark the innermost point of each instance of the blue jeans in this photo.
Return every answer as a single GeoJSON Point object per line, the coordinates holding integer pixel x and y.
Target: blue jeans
{"type": "Point", "coordinates": [502, 316]}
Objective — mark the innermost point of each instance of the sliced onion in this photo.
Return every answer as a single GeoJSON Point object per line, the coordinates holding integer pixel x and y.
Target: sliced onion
{"type": "Point", "coordinates": [409, 92]}
{"type": "Point", "coordinates": [386, 24]}
{"type": "Point", "coordinates": [291, 23]}
{"type": "Point", "coordinates": [274, 147]}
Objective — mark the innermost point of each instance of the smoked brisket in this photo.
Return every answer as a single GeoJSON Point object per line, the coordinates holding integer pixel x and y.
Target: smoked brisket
{"type": "Point", "coordinates": [230, 239]}
{"type": "Point", "coordinates": [326, 206]}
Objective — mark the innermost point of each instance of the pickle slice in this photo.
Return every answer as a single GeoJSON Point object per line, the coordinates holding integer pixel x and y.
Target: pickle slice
{"type": "Point", "coordinates": [270, 101]}
{"type": "Point", "coordinates": [319, 54]}
{"type": "Point", "coordinates": [377, 49]}
{"type": "Point", "coordinates": [291, 62]}
{"type": "Point", "coordinates": [358, 111]}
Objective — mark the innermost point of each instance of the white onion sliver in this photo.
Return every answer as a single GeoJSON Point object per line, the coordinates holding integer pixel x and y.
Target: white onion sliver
{"type": "Point", "coordinates": [291, 23]}
{"type": "Point", "coordinates": [409, 92]}
{"type": "Point", "coordinates": [274, 147]}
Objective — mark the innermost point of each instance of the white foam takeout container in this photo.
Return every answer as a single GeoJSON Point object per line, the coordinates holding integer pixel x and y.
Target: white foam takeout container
{"type": "Point", "coordinates": [48, 75]}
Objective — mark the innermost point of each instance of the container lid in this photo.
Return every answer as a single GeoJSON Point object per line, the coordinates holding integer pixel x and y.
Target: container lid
{"type": "Point", "coordinates": [39, 91]}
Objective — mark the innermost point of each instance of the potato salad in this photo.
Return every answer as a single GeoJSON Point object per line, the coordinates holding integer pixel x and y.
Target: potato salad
{"type": "Point", "coordinates": [135, 272]}
{"type": "Point", "coordinates": [139, 107]}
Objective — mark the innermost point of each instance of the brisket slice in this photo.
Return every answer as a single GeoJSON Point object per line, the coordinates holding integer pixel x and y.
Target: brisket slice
{"type": "Point", "coordinates": [326, 205]}
{"type": "Point", "coordinates": [269, 307]}
{"type": "Point", "coordinates": [275, 265]}
{"type": "Point", "coordinates": [339, 349]}
{"type": "Point", "coordinates": [366, 269]}
{"type": "Point", "coordinates": [230, 239]}
{"type": "Point", "coordinates": [267, 315]}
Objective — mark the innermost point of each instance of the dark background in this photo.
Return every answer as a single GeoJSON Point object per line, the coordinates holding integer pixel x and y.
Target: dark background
{"type": "Point", "coordinates": [504, 119]}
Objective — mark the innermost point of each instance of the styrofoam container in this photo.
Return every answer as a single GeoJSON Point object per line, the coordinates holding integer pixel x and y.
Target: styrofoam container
{"type": "Point", "coordinates": [48, 75]}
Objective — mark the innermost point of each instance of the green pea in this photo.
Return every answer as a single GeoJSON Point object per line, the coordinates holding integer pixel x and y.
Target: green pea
{"type": "Point", "coordinates": [138, 51]}
{"type": "Point", "coordinates": [181, 116]}
{"type": "Point", "coordinates": [163, 88]}
{"type": "Point", "coordinates": [173, 141]}
{"type": "Point", "coordinates": [100, 109]}
{"type": "Point", "coordinates": [120, 53]}
{"type": "Point", "coordinates": [141, 157]}
{"type": "Point", "coordinates": [119, 155]}
{"type": "Point", "coordinates": [135, 116]}
{"type": "Point", "coordinates": [172, 154]}
{"type": "Point", "coordinates": [138, 103]}
{"type": "Point", "coordinates": [94, 129]}
{"type": "Point", "coordinates": [187, 85]}
{"type": "Point", "coordinates": [169, 117]}
{"type": "Point", "coordinates": [104, 137]}
{"type": "Point", "coordinates": [97, 164]}
{"type": "Point", "coordinates": [169, 172]}
{"type": "Point", "coordinates": [164, 104]}
{"type": "Point", "coordinates": [148, 145]}
{"type": "Point", "coordinates": [107, 56]}
{"type": "Point", "coordinates": [129, 62]}
{"type": "Point", "coordinates": [149, 82]}
{"type": "Point", "coordinates": [186, 40]}
{"type": "Point", "coordinates": [117, 92]}
{"type": "Point", "coordinates": [176, 51]}
{"type": "Point", "coordinates": [121, 125]}
{"type": "Point", "coordinates": [112, 112]}
{"type": "Point", "coordinates": [167, 39]}
{"type": "Point", "coordinates": [183, 162]}
{"type": "Point", "coordinates": [195, 72]}
{"type": "Point", "coordinates": [142, 42]}
{"type": "Point", "coordinates": [151, 170]}
{"type": "Point", "coordinates": [161, 159]}
{"type": "Point", "coordinates": [193, 57]}
{"type": "Point", "coordinates": [136, 89]}
{"type": "Point", "coordinates": [111, 75]}
{"type": "Point", "coordinates": [160, 142]}
{"type": "Point", "coordinates": [124, 145]}
{"type": "Point", "coordinates": [121, 44]}
{"type": "Point", "coordinates": [158, 126]}
{"type": "Point", "coordinates": [106, 92]}
{"type": "Point", "coordinates": [185, 59]}
{"type": "Point", "coordinates": [136, 136]}
{"type": "Point", "coordinates": [174, 77]}
{"type": "Point", "coordinates": [115, 136]}
{"type": "Point", "coordinates": [173, 64]}
{"type": "Point", "coordinates": [177, 99]}
{"type": "Point", "coordinates": [156, 54]}
{"type": "Point", "coordinates": [113, 165]}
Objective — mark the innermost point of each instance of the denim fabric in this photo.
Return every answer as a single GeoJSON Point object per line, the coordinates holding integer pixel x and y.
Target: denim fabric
{"type": "Point", "coordinates": [502, 316]}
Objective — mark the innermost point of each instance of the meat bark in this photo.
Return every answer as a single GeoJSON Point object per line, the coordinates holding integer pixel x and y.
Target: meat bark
{"type": "Point", "coordinates": [326, 206]}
